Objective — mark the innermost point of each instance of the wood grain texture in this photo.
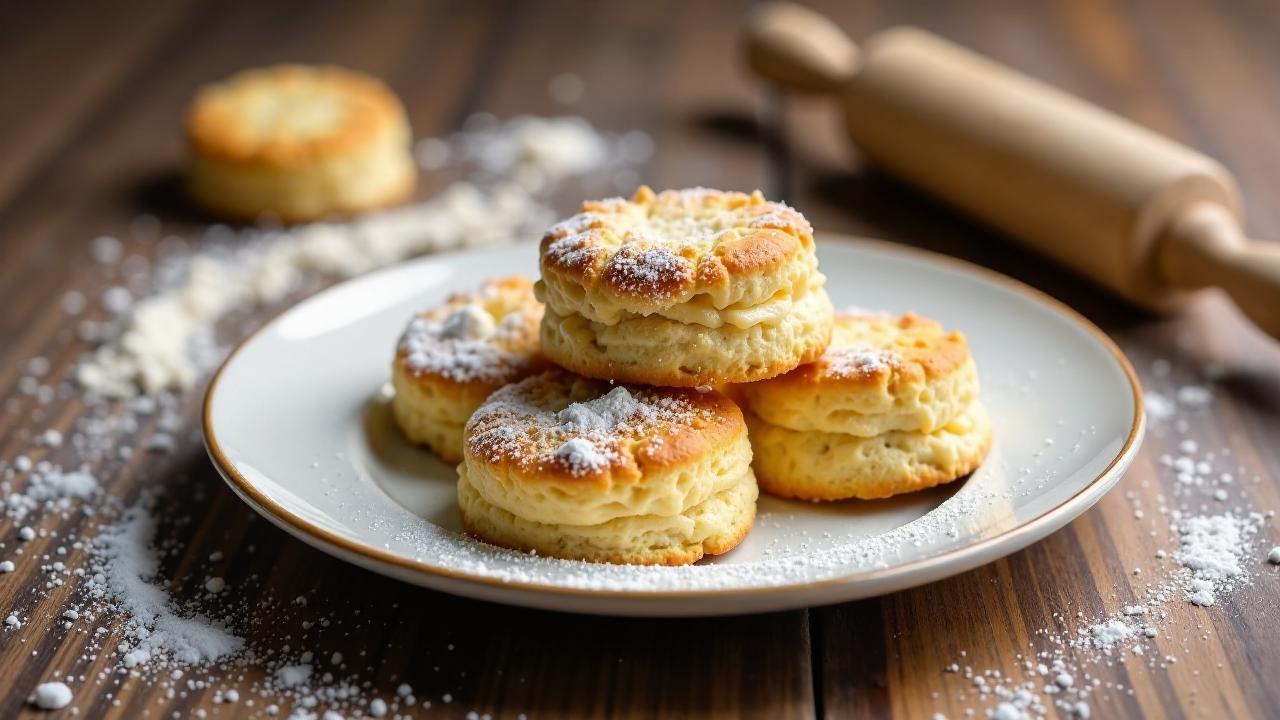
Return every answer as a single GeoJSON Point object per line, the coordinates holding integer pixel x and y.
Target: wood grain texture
{"type": "Point", "coordinates": [88, 141]}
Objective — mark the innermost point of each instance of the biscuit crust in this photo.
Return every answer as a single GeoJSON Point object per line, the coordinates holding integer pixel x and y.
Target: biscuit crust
{"type": "Point", "coordinates": [811, 465]}
{"type": "Point", "coordinates": [713, 527]}
{"type": "Point", "coordinates": [655, 251]}
{"type": "Point", "coordinates": [586, 469]}
{"type": "Point", "coordinates": [299, 143]}
{"type": "Point", "coordinates": [881, 373]}
{"type": "Point", "coordinates": [717, 286]}
{"type": "Point", "coordinates": [659, 351]}
{"type": "Point", "coordinates": [453, 356]}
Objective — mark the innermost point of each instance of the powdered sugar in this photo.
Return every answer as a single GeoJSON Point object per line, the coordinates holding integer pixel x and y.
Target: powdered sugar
{"type": "Point", "coordinates": [125, 563]}
{"type": "Point", "coordinates": [458, 348]}
{"type": "Point", "coordinates": [51, 696]}
{"type": "Point", "coordinates": [581, 456]}
{"type": "Point", "coordinates": [1106, 634]}
{"type": "Point", "coordinates": [469, 322]}
{"type": "Point", "coordinates": [608, 413]}
{"type": "Point", "coordinates": [50, 488]}
{"type": "Point", "coordinates": [516, 424]}
{"type": "Point", "coordinates": [1212, 550]}
{"type": "Point", "coordinates": [651, 272]}
{"type": "Point", "coordinates": [857, 362]}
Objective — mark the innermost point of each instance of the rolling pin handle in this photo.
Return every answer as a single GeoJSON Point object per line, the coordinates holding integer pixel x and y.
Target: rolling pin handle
{"type": "Point", "coordinates": [799, 49]}
{"type": "Point", "coordinates": [1205, 247]}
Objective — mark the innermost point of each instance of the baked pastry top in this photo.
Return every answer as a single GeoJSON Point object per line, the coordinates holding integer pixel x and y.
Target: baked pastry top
{"type": "Point", "coordinates": [298, 143]}
{"type": "Point", "coordinates": [452, 356]}
{"type": "Point", "coordinates": [290, 114]}
{"type": "Point", "coordinates": [486, 337]}
{"type": "Point", "coordinates": [585, 469]}
{"type": "Point", "coordinates": [697, 255]}
{"type": "Point", "coordinates": [881, 373]}
{"type": "Point", "coordinates": [560, 428]}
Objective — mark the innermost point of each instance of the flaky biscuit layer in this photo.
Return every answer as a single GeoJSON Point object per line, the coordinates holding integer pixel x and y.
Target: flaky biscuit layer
{"type": "Point", "coordinates": [811, 465]}
{"type": "Point", "coordinates": [881, 373]}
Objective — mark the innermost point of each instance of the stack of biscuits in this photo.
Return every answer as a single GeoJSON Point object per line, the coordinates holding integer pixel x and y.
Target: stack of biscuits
{"type": "Point", "coordinates": [677, 347]}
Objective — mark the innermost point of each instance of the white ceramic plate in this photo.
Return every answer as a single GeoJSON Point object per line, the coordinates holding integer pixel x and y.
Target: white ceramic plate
{"type": "Point", "coordinates": [297, 423]}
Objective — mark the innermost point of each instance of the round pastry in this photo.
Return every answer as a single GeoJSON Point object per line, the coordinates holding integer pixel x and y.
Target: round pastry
{"type": "Point", "coordinates": [582, 469]}
{"type": "Point", "coordinates": [890, 407]}
{"type": "Point", "coordinates": [812, 465]}
{"type": "Point", "coordinates": [683, 288]}
{"type": "Point", "coordinates": [452, 357]}
{"type": "Point", "coordinates": [298, 143]}
{"type": "Point", "coordinates": [881, 373]}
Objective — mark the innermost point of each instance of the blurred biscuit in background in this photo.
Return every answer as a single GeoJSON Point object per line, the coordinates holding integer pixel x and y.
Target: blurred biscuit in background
{"type": "Point", "coordinates": [298, 143]}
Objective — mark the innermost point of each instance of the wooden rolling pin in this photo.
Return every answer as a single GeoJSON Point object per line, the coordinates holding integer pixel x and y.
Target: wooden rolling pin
{"type": "Point", "coordinates": [1142, 215]}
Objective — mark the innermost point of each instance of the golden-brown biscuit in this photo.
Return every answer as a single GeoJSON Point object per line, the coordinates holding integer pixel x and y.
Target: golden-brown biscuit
{"type": "Point", "coordinates": [684, 288]}
{"type": "Point", "coordinates": [451, 357]}
{"type": "Point", "coordinates": [586, 470]}
{"type": "Point", "coordinates": [298, 143]}
{"type": "Point", "coordinates": [890, 407]}
{"type": "Point", "coordinates": [812, 465]}
{"type": "Point", "coordinates": [881, 373]}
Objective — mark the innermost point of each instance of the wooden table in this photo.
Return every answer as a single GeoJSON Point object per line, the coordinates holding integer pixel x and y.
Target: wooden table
{"type": "Point", "coordinates": [90, 99]}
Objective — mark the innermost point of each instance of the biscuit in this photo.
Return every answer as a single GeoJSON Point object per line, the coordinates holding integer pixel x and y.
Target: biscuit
{"type": "Point", "coordinates": [811, 465]}
{"type": "Point", "coordinates": [683, 288]}
{"type": "Point", "coordinates": [298, 143]}
{"type": "Point", "coordinates": [586, 470]}
{"type": "Point", "coordinates": [452, 357]}
{"type": "Point", "coordinates": [882, 373]}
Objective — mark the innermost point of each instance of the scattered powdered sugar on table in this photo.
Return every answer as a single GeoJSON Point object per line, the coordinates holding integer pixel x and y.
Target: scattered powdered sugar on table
{"type": "Point", "coordinates": [123, 569]}
{"type": "Point", "coordinates": [1213, 550]}
{"type": "Point", "coordinates": [51, 696]}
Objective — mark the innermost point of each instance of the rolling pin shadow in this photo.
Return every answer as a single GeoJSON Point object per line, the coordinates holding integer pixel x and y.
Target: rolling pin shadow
{"type": "Point", "coordinates": [1148, 218]}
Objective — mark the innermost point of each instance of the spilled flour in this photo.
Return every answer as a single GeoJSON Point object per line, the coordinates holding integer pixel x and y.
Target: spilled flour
{"type": "Point", "coordinates": [124, 569]}
{"type": "Point", "coordinates": [1212, 550]}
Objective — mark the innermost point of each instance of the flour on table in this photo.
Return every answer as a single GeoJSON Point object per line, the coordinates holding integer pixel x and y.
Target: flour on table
{"type": "Point", "coordinates": [1212, 553]}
